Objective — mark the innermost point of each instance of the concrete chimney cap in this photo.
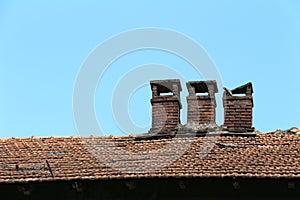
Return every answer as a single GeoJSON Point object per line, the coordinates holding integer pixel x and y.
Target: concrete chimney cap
{"type": "Point", "coordinates": [202, 86]}
{"type": "Point", "coordinates": [164, 86]}
{"type": "Point", "coordinates": [244, 89]}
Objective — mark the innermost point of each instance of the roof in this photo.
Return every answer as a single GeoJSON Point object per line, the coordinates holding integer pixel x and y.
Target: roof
{"type": "Point", "coordinates": [274, 155]}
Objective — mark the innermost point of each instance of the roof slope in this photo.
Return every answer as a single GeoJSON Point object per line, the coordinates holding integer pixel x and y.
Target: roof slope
{"type": "Point", "coordinates": [264, 155]}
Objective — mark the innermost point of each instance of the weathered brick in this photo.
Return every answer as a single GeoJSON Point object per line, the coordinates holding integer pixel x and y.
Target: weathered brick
{"type": "Point", "coordinates": [238, 109]}
{"type": "Point", "coordinates": [165, 109]}
{"type": "Point", "coordinates": [201, 109]}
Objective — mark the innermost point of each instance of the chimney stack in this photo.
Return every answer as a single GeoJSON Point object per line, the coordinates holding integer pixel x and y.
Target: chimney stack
{"type": "Point", "coordinates": [165, 104]}
{"type": "Point", "coordinates": [238, 109]}
{"type": "Point", "coordinates": [201, 108]}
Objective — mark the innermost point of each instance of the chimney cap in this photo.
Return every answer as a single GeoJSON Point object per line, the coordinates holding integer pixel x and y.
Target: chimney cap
{"type": "Point", "coordinates": [244, 89]}
{"type": "Point", "coordinates": [202, 86]}
{"type": "Point", "coordinates": [164, 86]}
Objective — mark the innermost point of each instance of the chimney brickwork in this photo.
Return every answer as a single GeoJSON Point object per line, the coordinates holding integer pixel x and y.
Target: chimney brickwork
{"type": "Point", "coordinates": [166, 104]}
{"type": "Point", "coordinates": [238, 109]}
{"type": "Point", "coordinates": [201, 108]}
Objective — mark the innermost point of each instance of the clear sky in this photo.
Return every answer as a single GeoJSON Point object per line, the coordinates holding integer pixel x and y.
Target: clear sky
{"type": "Point", "coordinates": [44, 43]}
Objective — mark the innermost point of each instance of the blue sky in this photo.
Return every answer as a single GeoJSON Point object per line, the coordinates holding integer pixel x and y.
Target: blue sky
{"type": "Point", "coordinates": [44, 43]}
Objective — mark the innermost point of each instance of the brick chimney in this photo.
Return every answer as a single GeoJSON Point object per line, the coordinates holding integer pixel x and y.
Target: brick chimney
{"type": "Point", "coordinates": [201, 107]}
{"type": "Point", "coordinates": [238, 104]}
{"type": "Point", "coordinates": [165, 104]}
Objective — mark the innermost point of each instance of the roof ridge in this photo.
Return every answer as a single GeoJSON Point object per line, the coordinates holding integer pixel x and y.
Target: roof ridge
{"type": "Point", "coordinates": [292, 130]}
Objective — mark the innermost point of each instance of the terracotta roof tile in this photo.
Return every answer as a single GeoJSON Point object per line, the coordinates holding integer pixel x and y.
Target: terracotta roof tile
{"type": "Point", "coordinates": [263, 155]}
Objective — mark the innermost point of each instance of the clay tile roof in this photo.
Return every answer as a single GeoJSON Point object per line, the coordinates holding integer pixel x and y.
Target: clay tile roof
{"type": "Point", "coordinates": [272, 155]}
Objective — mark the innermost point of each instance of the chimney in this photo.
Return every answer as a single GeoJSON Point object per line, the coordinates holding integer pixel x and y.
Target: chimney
{"type": "Point", "coordinates": [238, 104]}
{"type": "Point", "coordinates": [165, 104]}
{"type": "Point", "coordinates": [201, 107]}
